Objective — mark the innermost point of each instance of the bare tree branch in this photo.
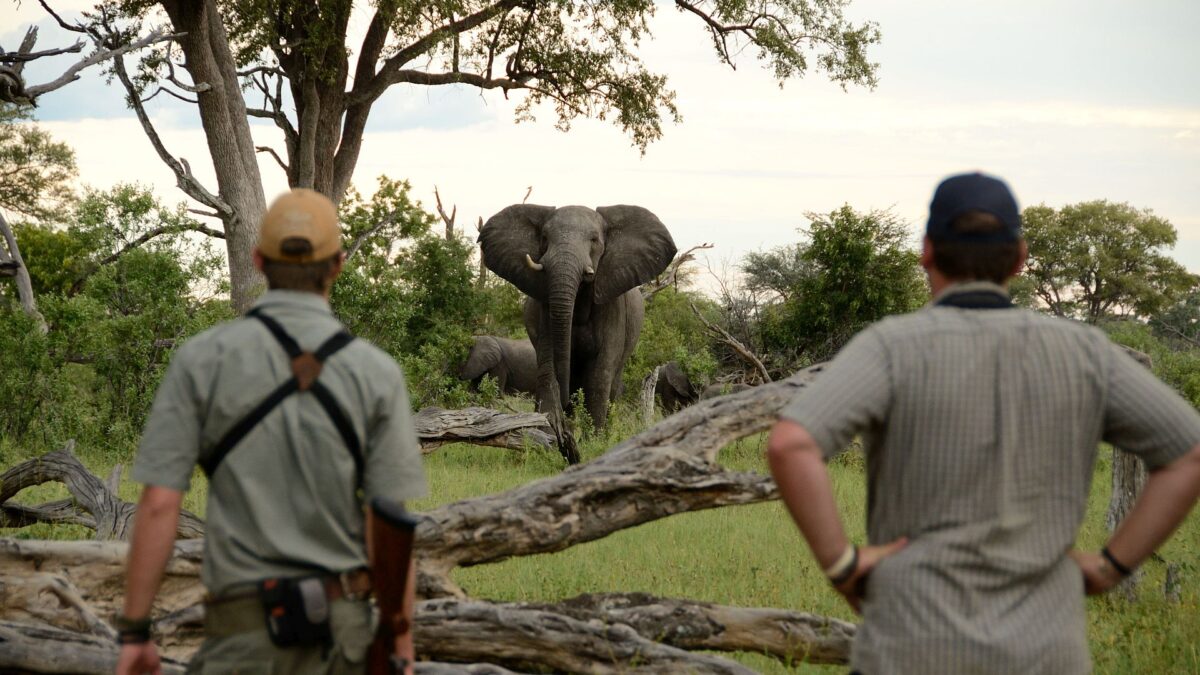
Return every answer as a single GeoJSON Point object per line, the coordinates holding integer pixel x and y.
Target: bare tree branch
{"type": "Point", "coordinates": [670, 276]}
{"type": "Point", "coordinates": [156, 232]}
{"type": "Point", "coordinates": [447, 219]}
{"type": "Point", "coordinates": [100, 55]}
{"type": "Point", "coordinates": [271, 151]}
{"type": "Point", "coordinates": [734, 343]}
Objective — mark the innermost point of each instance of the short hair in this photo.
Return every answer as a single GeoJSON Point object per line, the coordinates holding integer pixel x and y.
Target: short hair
{"type": "Point", "coordinates": [976, 261]}
{"type": "Point", "coordinates": [313, 277]}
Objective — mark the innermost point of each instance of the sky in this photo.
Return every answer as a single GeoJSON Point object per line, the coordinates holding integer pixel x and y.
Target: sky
{"type": "Point", "coordinates": [1070, 100]}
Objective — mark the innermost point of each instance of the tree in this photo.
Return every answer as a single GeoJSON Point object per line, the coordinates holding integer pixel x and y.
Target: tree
{"type": "Point", "coordinates": [578, 57]}
{"type": "Point", "coordinates": [854, 269]}
{"type": "Point", "coordinates": [35, 170]}
{"type": "Point", "coordinates": [1098, 259]}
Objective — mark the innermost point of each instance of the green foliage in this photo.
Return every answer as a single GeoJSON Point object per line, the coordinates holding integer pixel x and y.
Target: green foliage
{"type": "Point", "coordinates": [582, 58]}
{"type": "Point", "coordinates": [1179, 368]}
{"type": "Point", "coordinates": [853, 269]}
{"type": "Point", "coordinates": [672, 332]}
{"type": "Point", "coordinates": [119, 287]}
{"type": "Point", "coordinates": [1101, 259]}
{"type": "Point", "coordinates": [36, 170]}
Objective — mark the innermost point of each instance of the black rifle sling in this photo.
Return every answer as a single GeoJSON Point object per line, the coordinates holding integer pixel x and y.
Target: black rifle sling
{"type": "Point", "coordinates": [324, 397]}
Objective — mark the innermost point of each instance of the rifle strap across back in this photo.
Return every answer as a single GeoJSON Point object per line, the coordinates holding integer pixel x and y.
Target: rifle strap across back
{"type": "Point", "coordinates": [306, 367]}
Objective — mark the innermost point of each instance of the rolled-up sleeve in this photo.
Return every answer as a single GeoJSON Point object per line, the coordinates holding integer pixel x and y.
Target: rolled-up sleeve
{"type": "Point", "coordinates": [170, 443]}
{"type": "Point", "coordinates": [1144, 416]}
{"type": "Point", "coordinates": [393, 459]}
{"type": "Point", "coordinates": [851, 394]}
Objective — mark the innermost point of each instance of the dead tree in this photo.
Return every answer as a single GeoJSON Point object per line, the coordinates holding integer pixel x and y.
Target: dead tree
{"type": "Point", "coordinates": [670, 276]}
{"type": "Point", "coordinates": [482, 426]}
{"type": "Point", "coordinates": [1128, 478]}
{"type": "Point", "coordinates": [735, 344]}
{"type": "Point", "coordinates": [12, 264]}
{"type": "Point", "coordinates": [670, 468]}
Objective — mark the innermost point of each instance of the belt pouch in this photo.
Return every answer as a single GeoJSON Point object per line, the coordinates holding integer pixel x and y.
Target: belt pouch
{"type": "Point", "coordinates": [297, 611]}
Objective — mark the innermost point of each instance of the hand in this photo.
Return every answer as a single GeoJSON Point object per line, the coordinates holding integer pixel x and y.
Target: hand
{"type": "Point", "coordinates": [139, 659]}
{"type": "Point", "coordinates": [854, 588]}
{"type": "Point", "coordinates": [1098, 575]}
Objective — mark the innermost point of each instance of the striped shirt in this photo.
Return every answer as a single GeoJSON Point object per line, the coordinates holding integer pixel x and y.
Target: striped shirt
{"type": "Point", "coordinates": [981, 428]}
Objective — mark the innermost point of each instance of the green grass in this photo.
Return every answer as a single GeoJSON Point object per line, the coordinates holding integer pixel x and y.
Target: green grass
{"type": "Point", "coordinates": [751, 555]}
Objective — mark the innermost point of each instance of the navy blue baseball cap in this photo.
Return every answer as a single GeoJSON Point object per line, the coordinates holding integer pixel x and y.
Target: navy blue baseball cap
{"type": "Point", "coordinates": [973, 192]}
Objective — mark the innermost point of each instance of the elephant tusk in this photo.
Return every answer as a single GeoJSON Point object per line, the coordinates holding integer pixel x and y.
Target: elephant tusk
{"type": "Point", "coordinates": [589, 271]}
{"type": "Point", "coordinates": [536, 267]}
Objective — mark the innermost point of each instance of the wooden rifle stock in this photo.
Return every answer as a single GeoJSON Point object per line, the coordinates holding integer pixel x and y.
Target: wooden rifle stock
{"type": "Point", "coordinates": [390, 531]}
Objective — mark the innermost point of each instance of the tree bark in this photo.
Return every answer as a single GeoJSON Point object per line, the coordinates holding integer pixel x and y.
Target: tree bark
{"type": "Point", "coordinates": [110, 517]}
{"type": "Point", "coordinates": [24, 283]}
{"type": "Point", "coordinates": [223, 116]}
{"type": "Point", "coordinates": [481, 426]}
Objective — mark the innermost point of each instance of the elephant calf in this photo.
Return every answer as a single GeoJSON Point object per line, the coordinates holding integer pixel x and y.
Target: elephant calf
{"type": "Point", "coordinates": [512, 362]}
{"type": "Point", "coordinates": [674, 390]}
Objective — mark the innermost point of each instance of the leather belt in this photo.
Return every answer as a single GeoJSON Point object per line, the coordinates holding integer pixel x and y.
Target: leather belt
{"type": "Point", "coordinates": [352, 585]}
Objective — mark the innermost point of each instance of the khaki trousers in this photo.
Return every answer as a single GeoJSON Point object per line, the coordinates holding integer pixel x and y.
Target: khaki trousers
{"type": "Point", "coordinates": [236, 642]}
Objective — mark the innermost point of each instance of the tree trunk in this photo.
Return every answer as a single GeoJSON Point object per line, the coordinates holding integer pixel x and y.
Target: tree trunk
{"type": "Point", "coordinates": [24, 283]}
{"type": "Point", "coordinates": [208, 59]}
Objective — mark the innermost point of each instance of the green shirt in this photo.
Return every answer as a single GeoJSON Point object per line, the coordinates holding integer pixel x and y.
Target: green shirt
{"type": "Point", "coordinates": [981, 429]}
{"type": "Point", "coordinates": [283, 502]}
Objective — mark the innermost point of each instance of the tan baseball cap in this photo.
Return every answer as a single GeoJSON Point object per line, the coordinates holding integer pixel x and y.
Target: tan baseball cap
{"type": "Point", "coordinates": [301, 226]}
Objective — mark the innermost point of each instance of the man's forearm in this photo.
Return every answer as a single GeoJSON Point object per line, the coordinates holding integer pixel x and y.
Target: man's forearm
{"type": "Point", "coordinates": [804, 486]}
{"type": "Point", "coordinates": [153, 539]}
{"type": "Point", "coordinates": [1168, 496]}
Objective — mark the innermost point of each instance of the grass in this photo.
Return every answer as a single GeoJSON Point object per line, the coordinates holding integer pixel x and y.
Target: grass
{"type": "Point", "coordinates": [749, 555]}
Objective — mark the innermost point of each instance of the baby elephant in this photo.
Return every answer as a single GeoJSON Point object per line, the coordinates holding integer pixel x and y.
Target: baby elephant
{"type": "Point", "coordinates": [512, 362]}
{"type": "Point", "coordinates": [675, 391]}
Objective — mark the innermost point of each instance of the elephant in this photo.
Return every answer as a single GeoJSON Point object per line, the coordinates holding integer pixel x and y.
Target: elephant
{"type": "Point", "coordinates": [580, 269]}
{"type": "Point", "coordinates": [512, 362]}
{"type": "Point", "coordinates": [675, 391]}
{"type": "Point", "coordinates": [714, 390]}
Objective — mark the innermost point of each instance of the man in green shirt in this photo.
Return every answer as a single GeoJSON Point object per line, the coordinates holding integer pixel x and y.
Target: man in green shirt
{"type": "Point", "coordinates": [285, 492]}
{"type": "Point", "coordinates": [980, 422]}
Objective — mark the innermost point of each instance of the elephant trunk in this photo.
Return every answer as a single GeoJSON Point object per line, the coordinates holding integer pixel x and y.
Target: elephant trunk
{"type": "Point", "coordinates": [563, 288]}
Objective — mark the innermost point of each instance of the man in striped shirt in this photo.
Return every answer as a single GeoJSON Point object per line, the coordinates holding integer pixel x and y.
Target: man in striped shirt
{"type": "Point", "coordinates": [980, 422]}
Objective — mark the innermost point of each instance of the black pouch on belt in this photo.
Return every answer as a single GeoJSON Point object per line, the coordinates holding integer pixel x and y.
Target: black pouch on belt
{"type": "Point", "coordinates": [297, 611]}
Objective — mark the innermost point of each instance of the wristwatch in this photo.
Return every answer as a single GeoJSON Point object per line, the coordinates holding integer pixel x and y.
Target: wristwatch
{"type": "Point", "coordinates": [132, 631]}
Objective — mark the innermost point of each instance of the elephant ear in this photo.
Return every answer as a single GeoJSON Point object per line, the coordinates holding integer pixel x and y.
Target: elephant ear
{"type": "Point", "coordinates": [507, 237]}
{"type": "Point", "coordinates": [637, 247]}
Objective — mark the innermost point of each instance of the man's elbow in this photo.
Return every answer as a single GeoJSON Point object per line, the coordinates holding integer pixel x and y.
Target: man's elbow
{"type": "Point", "coordinates": [160, 502]}
{"type": "Point", "coordinates": [788, 440]}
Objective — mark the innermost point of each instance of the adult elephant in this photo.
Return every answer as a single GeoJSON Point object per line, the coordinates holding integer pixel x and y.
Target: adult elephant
{"type": "Point", "coordinates": [580, 269]}
{"type": "Point", "coordinates": [513, 364]}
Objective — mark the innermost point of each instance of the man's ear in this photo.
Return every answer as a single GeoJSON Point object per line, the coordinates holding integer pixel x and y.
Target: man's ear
{"type": "Point", "coordinates": [1022, 258]}
{"type": "Point", "coordinates": [927, 254]}
{"type": "Point", "coordinates": [258, 259]}
{"type": "Point", "coordinates": [338, 265]}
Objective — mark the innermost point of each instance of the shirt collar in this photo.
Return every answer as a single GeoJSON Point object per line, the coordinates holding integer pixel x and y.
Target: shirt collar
{"type": "Point", "coordinates": [294, 300]}
{"type": "Point", "coordinates": [970, 287]}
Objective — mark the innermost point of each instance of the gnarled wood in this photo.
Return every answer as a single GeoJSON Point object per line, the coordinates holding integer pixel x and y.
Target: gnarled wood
{"type": "Point", "coordinates": [110, 517]}
{"type": "Point", "coordinates": [481, 426]}
{"type": "Point", "coordinates": [45, 649]}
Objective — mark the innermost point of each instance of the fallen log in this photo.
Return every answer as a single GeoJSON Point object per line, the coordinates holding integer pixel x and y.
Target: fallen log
{"type": "Point", "coordinates": [481, 426]}
{"type": "Point", "coordinates": [106, 513]}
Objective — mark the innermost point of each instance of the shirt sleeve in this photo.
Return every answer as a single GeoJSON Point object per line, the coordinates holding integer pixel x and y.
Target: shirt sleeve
{"type": "Point", "coordinates": [394, 469]}
{"type": "Point", "coordinates": [851, 394]}
{"type": "Point", "coordinates": [170, 443]}
{"type": "Point", "coordinates": [1144, 416]}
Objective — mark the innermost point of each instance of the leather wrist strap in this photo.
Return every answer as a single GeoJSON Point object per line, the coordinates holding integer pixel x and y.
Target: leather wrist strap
{"type": "Point", "coordinates": [132, 631]}
{"type": "Point", "coordinates": [1120, 568]}
{"type": "Point", "coordinates": [841, 571]}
